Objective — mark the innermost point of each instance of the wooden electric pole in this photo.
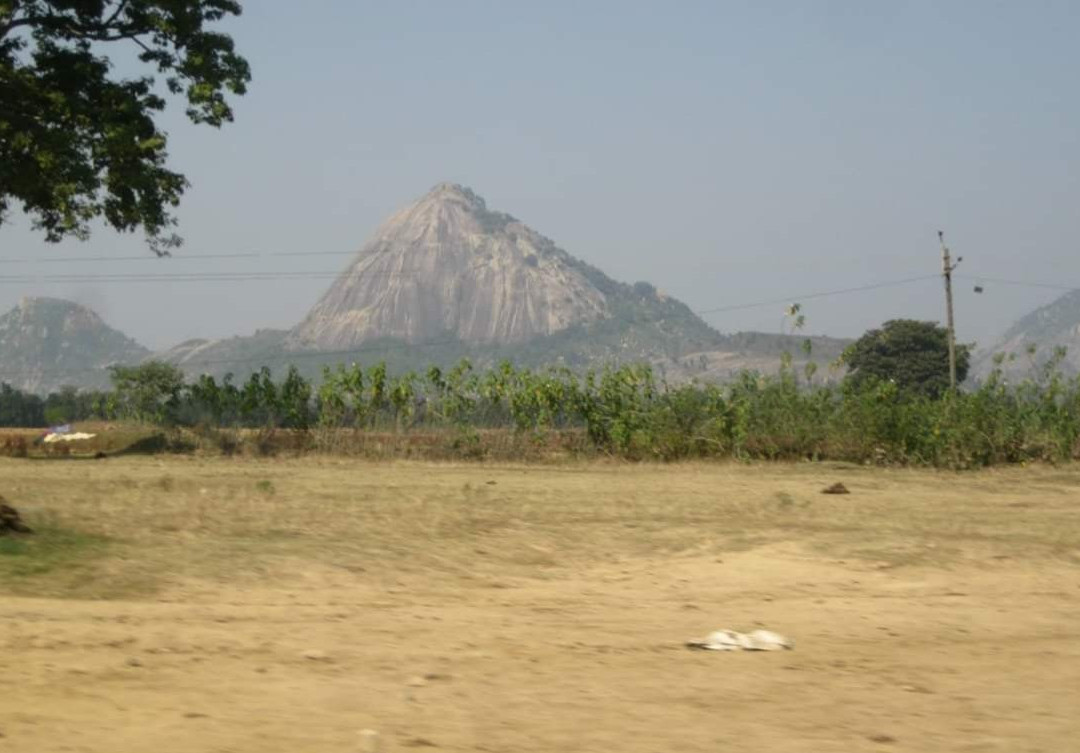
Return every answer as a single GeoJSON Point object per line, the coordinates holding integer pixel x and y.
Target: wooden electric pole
{"type": "Point", "coordinates": [947, 268]}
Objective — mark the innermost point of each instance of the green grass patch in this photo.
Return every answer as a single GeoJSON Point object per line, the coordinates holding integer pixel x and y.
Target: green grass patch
{"type": "Point", "coordinates": [52, 561]}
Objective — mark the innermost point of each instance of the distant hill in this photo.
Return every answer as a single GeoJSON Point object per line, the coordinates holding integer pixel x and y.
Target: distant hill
{"type": "Point", "coordinates": [446, 278]}
{"type": "Point", "coordinates": [1056, 324]}
{"type": "Point", "coordinates": [240, 355]}
{"type": "Point", "coordinates": [47, 343]}
{"type": "Point", "coordinates": [443, 279]}
{"type": "Point", "coordinates": [446, 265]}
{"type": "Point", "coordinates": [722, 360]}
{"type": "Point", "coordinates": [448, 269]}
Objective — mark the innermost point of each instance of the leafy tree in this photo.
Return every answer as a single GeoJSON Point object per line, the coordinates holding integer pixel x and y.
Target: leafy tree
{"type": "Point", "coordinates": [206, 399]}
{"type": "Point", "coordinates": [294, 399]}
{"type": "Point", "coordinates": [912, 354]}
{"type": "Point", "coordinates": [259, 399]}
{"type": "Point", "coordinates": [150, 392]}
{"type": "Point", "coordinates": [71, 404]}
{"type": "Point", "coordinates": [403, 397]}
{"type": "Point", "coordinates": [77, 141]}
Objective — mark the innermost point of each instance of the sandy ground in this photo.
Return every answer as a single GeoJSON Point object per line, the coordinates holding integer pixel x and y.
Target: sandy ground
{"type": "Point", "coordinates": [980, 653]}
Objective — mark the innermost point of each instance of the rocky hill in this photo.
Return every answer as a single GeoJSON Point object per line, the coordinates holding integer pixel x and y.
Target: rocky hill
{"type": "Point", "coordinates": [446, 278]}
{"type": "Point", "coordinates": [46, 343]}
{"type": "Point", "coordinates": [443, 279]}
{"type": "Point", "coordinates": [448, 267]}
{"type": "Point", "coordinates": [1055, 325]}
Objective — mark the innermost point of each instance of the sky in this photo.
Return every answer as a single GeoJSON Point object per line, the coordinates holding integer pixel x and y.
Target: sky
{"type": "Point", "coordinates": [730, 153]}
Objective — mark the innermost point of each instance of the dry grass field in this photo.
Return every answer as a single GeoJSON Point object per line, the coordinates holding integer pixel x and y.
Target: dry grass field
{"type": "Point", "coordinates": [176, 604]}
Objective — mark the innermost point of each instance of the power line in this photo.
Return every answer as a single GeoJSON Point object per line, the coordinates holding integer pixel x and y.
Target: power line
{"type": "Point", "coordinates": [213, 276]}
{"type": "Point", "coordinates": [286, 357]}
{"type": "Point", "coordinates": [187, 277]}
{"type": "Point", "coordinates": [824, 294]}
{"type": "Point", "coordinates": [1021, 283]}
{"type": "Point", "coordinates": [321, 275]}
{"type": "Point", "coordinates": [158, 277]}
{"type": "Point", "coordinates": [175, 258]}
{"type": "Point", "coordinates": [324, 354]}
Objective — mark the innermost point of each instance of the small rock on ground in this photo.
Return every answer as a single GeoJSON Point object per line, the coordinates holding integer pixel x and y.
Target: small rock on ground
{"type": "Point", "coordinates": [10, 520]}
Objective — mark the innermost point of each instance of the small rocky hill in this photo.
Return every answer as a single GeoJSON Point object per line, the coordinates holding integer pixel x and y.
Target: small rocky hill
{"type": "Point", "coordinates": [239, 355]}
{"type": "Point", "coordinates": [47, 343]}
{"type": "Point", "coordinates": [1055, 325]}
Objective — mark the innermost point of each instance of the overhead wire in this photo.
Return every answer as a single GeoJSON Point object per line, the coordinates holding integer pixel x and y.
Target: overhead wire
{"type": "Point", "coordinates": [822, 294]}
{"type": "Point", "coordinates": [185, 277]}
{"type": "Point", "coordinates": [1019, 283]}
{"type": "Point", "coordinates": [323, 354]}
{"type": "Point", "coordinates": [173, 257]}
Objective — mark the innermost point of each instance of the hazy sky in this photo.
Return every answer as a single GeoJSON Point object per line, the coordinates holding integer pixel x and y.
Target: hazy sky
{"type": "Point", "coordinates": [727, 152]}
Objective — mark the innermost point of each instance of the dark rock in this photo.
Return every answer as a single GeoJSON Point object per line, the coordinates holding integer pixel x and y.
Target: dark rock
{"type": "Point", "coordinates": [883, 739]}
{"type": "Point", "coordinates": [836, 488]}
{"type": "Point", "coordinates": [10, 520]}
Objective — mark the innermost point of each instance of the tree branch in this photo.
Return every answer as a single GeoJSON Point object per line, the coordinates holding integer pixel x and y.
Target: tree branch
{"type": "Point", "coordinates": [116, 13]}
{"type": "Point", "coordinates": [107, 30]}
{"type": "Point", "coordinates": [6, 28]}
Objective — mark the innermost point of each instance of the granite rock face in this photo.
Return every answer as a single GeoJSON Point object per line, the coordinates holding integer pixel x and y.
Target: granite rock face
{"type": "Point", "coordinates": [448, 267]}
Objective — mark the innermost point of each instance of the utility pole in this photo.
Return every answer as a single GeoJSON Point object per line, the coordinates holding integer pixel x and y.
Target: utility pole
{"type": "Point", "coordinates": [947, 268]}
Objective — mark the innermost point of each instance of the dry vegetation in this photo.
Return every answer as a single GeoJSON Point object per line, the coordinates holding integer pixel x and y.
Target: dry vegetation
{"type": "Point", "coordinates": [168, 603]}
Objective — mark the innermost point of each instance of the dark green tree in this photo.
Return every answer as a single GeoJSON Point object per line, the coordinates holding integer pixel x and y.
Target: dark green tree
{"type": "Point", "coordinates": [71, 404]}
{"type": "Point", "coordinates": [912, 354]}
{"type": "Point", "coordinates": [150, 392]}
{"type": "Point", "coordinates": [19, 408]}
{"type": "Point", "coordinates": [294, 401]}
{"type": "Point", "coordinates": [79, 142]}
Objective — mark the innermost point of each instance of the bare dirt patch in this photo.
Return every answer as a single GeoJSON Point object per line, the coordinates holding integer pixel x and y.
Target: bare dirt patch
{"type": "Point", "coordinates": [214, 605]}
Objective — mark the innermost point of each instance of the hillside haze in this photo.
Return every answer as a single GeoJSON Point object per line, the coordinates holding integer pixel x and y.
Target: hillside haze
{"type": "Point", "coordinates": [47, 343]}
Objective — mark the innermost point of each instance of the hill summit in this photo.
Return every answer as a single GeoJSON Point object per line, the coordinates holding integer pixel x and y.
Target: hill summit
{"type": "Point", "coordinates": [46, 343]}
{"type": "Point", "coordinates": [448, 266]}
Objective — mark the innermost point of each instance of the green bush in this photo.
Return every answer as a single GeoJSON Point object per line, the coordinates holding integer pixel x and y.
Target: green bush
{"type": "Point", "coordinates": [623, 412]}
